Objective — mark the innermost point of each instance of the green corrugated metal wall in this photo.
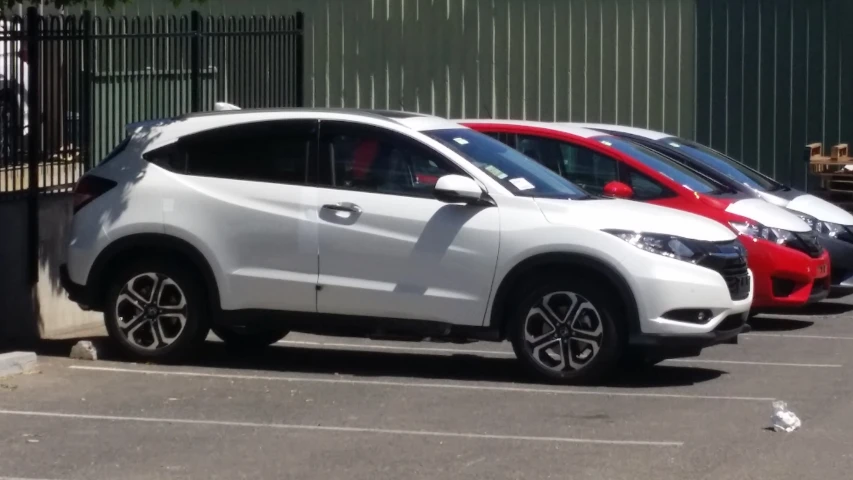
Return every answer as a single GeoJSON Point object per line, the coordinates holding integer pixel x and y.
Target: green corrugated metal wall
{"type": "Point", "coordinates": [758, 79]}
{"type": "Point", "coordinates": [627, 61]}
{"type": "Point", "coordinates": [773, 76]}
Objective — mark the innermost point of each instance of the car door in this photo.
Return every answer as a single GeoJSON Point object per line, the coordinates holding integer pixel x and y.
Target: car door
{"type": "Point", "coordinates": [245, 203]}
{"type": "Point", "coordinates": [388, 248]}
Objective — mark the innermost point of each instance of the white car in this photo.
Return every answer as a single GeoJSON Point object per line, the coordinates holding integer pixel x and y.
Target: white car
{"type": "Point", "coordinates": [386, 225]}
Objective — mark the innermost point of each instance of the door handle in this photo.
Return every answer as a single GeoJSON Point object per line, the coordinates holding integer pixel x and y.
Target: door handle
{"type": "Point", "coordinates": [343, 207]}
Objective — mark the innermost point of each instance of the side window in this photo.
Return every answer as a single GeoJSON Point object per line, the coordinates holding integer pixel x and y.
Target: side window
{"type": "Point", "coordinates": [276, 152]}
{"type": "Point", "coordinates": [590, 170]}
{"type": "Point", "coordinates": [543, 150]}
{"type": "Point", "coordinates": [645, 188]}
{"type": "Point", "coordinates": [372, 159]}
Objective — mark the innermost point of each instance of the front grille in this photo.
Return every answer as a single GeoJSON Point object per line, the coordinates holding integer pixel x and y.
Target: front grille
{"type": "Point", "coordinates": [807, 243]}
{"type": "Point", "coordinates": [729, 260]}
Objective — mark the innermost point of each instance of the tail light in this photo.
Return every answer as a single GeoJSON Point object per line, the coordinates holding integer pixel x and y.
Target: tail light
{"type": "Point", "coordinates": [89, 188]}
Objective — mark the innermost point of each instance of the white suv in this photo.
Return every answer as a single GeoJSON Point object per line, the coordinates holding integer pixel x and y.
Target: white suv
{"type": "Point", "coordinates": [387, 225]}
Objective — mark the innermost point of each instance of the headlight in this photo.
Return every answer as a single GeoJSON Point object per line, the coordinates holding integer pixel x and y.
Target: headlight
{"type": "Point", "coordinates": [821, 227]}
{"type": "Point", "coordinates": [829, 228]}
{"type": "Point", "coordinates": [666, 245]}
{"type": "Point", "coordinates": [757, 230]}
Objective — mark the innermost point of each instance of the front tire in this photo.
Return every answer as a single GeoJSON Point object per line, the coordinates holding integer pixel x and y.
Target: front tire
{"type": "Point", "coordinates": [564, 331]}
{"type": "Point", "coordinates": [156, 310]}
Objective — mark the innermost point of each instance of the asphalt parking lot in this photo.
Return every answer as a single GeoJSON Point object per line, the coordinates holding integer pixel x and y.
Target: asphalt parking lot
{"type": "Point", "coordinates": [314, 407]}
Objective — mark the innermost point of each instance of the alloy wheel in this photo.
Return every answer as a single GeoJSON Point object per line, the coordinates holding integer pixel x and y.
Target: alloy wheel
{"type": "Point", "coordinates": [563, 332]}
{"type": "Point", "coordinates": [151, 311]}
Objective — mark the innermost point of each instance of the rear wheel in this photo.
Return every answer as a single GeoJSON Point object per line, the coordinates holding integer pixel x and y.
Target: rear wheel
{"type": "Point", "coordinates": [156, 310]}
{"type": "Point", "coordinates": [248, 340]}
{"type": "Point", "coordinates": [564, 331]}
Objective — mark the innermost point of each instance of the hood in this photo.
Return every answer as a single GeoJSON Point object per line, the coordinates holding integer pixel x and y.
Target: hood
{"type": "Point", "coordinates": [774, 199]}
{"type": "Point", "coordinates": [821, 209]}
{"type": "Point", "coordinates": [768, 215]}
{"type": "Point", "coordinates": [634, 216]}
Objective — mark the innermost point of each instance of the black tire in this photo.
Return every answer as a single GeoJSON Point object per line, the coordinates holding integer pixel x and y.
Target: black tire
{"type": "Point", "coordinates": [248, 340]}
{"type": "Point", "coordinates": [184, 341]}
{"type": "Point", "coordinates": [611, 339]}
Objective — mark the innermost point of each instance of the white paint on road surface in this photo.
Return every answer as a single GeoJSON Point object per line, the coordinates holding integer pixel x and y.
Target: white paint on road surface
{"type": "Point", "coordinates": [339, 429]}
{"type": "Point", "coordinates": [449, 386]}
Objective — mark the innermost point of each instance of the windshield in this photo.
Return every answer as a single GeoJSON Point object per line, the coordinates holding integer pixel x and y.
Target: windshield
{"type": "Point", "coordinates": [672, 170]}
{"type": "Point", "coordinates": [518, 173]}
{"type": "Point", "coordinates": [725, 165]}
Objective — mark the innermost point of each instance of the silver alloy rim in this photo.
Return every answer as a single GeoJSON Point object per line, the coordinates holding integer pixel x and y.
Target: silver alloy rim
{"type": "Point", "coordinates": [151, 311]}
{"type": "Point", "coordinates": [563, 332]}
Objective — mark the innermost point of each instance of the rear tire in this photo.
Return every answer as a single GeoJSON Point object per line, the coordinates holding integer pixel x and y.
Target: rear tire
{"type": "Point", "coordinates": [156, 310]}
{"type": "Point", "coordinates": [248, 340]}
{"type": "Point", "coordinates": [565, 331]}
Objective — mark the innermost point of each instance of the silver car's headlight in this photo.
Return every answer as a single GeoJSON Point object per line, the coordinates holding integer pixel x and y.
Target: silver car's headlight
{"type": "Point", "coordinates": [666, 245]}
{"type": "Point", "coordinates": [822, 227]}
{"type": "Point", "coordinates": [757, 230]}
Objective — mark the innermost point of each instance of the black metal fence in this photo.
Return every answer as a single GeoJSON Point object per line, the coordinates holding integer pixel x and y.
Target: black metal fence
{"type": "Point", "coordinates": [70, 84]}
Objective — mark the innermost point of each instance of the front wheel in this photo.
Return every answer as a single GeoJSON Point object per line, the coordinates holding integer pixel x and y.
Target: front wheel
{"type": "Point", "coordinates": [564, 331]}
{"type": "Point", "coordinates": [156, 311]}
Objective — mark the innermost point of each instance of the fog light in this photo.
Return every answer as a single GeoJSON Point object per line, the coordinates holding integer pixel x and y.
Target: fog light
{"type": "Point", "coordinates": [690, 315]}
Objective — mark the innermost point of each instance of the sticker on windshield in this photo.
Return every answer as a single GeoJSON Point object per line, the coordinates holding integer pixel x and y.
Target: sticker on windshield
{"type": "Point", "coordinates": [673, 144]}
{"type": "Point", "coordinates": [607, 143]}
{"type": "Point", "coordinates": [460, 141]}
{"type": "Point", "coordinates": [521, 183]}
{"type": "Point", "coordinates": [496, 172]}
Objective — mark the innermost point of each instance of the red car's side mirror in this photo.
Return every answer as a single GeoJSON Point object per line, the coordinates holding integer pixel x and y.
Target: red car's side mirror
{"type": "Point", "coordinates": [618, 190]}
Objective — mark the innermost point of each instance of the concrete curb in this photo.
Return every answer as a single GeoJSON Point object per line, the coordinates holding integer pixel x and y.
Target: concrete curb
{"type": "Point", "coordinates": [14, 363]}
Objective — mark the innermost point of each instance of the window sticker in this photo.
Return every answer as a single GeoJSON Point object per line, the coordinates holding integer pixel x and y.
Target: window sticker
{"type": "Point", "coordinates": [607, 143]}
{"type": "Point", "coordinates": [676, 145]}
{"type": "Point", "coordinates": [460, 141]}
{"type": "Point", "coordinates": [496, 172]}
{"type": "Point", "coordinates": [522, 183]}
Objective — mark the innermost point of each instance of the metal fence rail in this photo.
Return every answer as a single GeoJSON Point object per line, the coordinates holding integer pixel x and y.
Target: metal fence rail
{"type": "Point", "coordinates": [70, 84]}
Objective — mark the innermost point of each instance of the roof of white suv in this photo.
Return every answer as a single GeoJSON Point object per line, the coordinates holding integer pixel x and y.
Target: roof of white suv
{"type": "Point", "coordinates": [165, 131]}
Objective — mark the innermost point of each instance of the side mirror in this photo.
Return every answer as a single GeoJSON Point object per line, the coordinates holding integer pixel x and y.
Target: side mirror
{"type": "Point", "coordinates": [458, 189]}
{"type": "Point", "coordinates": [618, 190]}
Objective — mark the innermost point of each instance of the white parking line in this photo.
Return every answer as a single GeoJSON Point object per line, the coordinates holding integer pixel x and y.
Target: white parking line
{"type": "Point", "coordinates": [340, 429]}
{"type": "Point", "coordinates": [795, 335]}
{"type": "Point", "coordinates": [769, 364]}
{"type": "Point", "coordinates": [20, 478]}
{"type": "Point", "coordinates": [449, 386]}
{"type": "Point", "coordinates": [498, 353]}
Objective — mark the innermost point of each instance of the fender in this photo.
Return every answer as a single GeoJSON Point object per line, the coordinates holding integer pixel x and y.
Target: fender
{"type": "Point", "coordinates": [150, 241]}
{"type": "Point", "coordinates": [567, 260]}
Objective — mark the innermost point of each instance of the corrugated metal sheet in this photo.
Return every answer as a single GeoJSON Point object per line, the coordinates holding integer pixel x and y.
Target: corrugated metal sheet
{"type": "Point", "coordinates": [626, 61]}
{"type": "Point", "coordinates": [773, 76]}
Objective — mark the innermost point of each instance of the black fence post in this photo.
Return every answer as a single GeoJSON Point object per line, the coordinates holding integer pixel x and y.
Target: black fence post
{"type": "Point", "coordinates": [87, 86]}
{"type": "Point", "coordinates": [34, 140]}
{"type": "Point", "coordinates": [300, 59]}
{"type": "Point", "coordinates": [195, 62]}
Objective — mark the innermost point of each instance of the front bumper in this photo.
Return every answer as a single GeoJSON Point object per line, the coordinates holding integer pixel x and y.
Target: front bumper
{"type": "Point", "coordinates": [680, 346]}
{"type": "Point", "coordinates": [784, 277]}
{"type": "Point", "coordinates": [841, 260]}
{"type": "Point", "coordinates": [664, 288]}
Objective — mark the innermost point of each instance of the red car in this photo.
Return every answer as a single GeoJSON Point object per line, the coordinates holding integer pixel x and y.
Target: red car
{"type": "Point", "coordinates": [789, 266]}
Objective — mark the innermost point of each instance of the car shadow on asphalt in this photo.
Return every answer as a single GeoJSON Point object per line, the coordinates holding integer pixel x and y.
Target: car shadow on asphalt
{"type": "Point", "coordinates": [456, 367]}
{"type": "Point", "coordinates": [771, 324]}
{"type": "Point", "coordinates": [820, 309]}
